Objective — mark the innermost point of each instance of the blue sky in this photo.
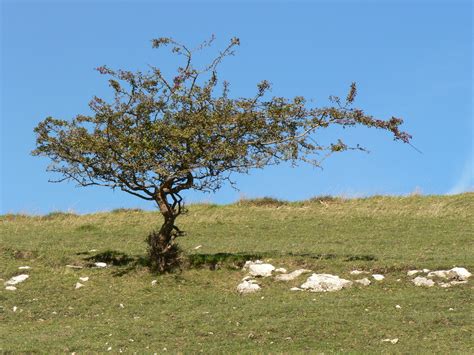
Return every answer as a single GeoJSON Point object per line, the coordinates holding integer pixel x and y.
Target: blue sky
{"type": "Point", "coordinates": [411, 59]}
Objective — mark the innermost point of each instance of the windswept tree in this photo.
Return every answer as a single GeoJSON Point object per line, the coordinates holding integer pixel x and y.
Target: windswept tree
{"type": "Point", "coordinates": [160, 136]}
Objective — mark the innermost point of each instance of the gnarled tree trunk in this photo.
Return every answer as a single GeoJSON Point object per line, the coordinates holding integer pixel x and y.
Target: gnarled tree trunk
{"type": "Point", "coordinates": [163, 252]}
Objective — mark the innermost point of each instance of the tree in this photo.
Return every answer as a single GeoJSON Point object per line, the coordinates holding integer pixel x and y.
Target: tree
{"type": "Point", "coordinates": [159, 137]}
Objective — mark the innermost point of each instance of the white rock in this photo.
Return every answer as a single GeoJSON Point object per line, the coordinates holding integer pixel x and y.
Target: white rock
{"type": "Point", "coordinates": [325, 283]}
{"type": "Point", "coordinates": [292, 275]}
{"type": "Point", "coordinates": [458, 282]}
{"type": "Point", "coordinates": [154, 282]}
{"type": "Point", "coordinates": [378, 277]}
{"type": "Point", "coordinates": [24, 267]}
{"type": "Point", "coordinates": [296, 289]}
{"type": "Point", "coordinates": [423, 281]}
{"type": "Point", "coordinates": [15, 308]}
{"type": "Point", "coordinates": [281, 270]}
{"type": "Point", "coordinates": [247, 287]}
{"type": "Point", "coordinates": [121, 305]}
{"type": "Point", "coordinates": [79, 285]}
{"type": "Point", "coordinates": [250, 262]}
{"type": "Point", "coordinates": [459, 273]}
{"type": "Point", "coordinates": [426, 271]}
{"type": "Point", "coordinates": [365, 281]}
{"type": "Point", "coordinates": [10, 288]}
{"type": "Point", "coordinates": [261, 270]}
{"type": "Point", "coordinates": [413, 272]}
{"type": "Point", "coordinates": [358, 272]}
{"type": "Point", "coordinates": [84, 279]}
{"type": "Point", "coordinates": [439, 273]}
{"type": "Point", "coordinates": [17, 279]}
{"type": "Point", "coordinates": [100, 264]}
{"type": "Point", "coordinates": [398, 306]}
{"type": "Point", "coordinates": [197, 247]}
{"type": "Point", "coordinates": [451, 283]}
{"type": "Point", "coordinates": [393, 341]}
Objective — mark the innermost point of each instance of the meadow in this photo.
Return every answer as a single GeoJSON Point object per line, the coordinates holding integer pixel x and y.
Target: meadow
{"type": "Point", "coordinates": [197, 309]}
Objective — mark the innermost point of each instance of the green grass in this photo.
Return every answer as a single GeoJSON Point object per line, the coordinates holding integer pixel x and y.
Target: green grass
{"type": "Point", "coordinates": [198, 309]}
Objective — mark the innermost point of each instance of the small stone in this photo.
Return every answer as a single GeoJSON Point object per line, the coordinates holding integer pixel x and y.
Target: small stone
{"type": "Point", "coordinates": [358, 272]}
{"type": "Point", "coordinates": [24, 267]}
{"type": "Point", "coordinates": [262, 270]}
{"type": "Point", "coordinates": [92, 250]}
{"type": "Point", "coordinates": [392, 341]}
{"type": "Point", "coordinates": [378, 277]}
{"type": "Point", "coordinates": [325, 283]}
{"type": "Point", "coordinates": [247, 287]}
{"type": "Point", "coordinates": [423, 281]}
{"type": "Point", "coordinates": [10, 288]}
{"type": "Point", "coordinates": [121, 305]}
{"type": "Point", "coordinates": [281, 270]}
{"type": "Point", "coordinates": [154, 282]}
{"type": "Point", "coordinates": [15, 308]}
{"type": "Point", "coordinates": [426, 271]}
{"type": "Point", "coordinates": [198, 247]}
{"type": "Point", "coordinates": [459, 273]}
{"type": "Point", "coordinates": [79, 285]}
{"type": "Point", "coordinates": [413, 272]}
{"type": "Point", "coordinates": [109, 348]}
{"type": "Point", "coordinates": [296, 289]}
{"type": "Point", "coordinates": [365, 281]}
{"type": "Point", "coordinates": [17, 279]}
{"type": "Point", "coordinates": [100, 264]}
{"type": "Point", "coordinates": [398, 306]}
{"type": "Point", "coordinates": [84, 279]}
{"type": "Point", "coordinates": [451, 309]}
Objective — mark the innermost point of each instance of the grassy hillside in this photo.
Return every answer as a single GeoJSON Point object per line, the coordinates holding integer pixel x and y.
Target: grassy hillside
{"type": "Point", "coordinates": [198, 308]}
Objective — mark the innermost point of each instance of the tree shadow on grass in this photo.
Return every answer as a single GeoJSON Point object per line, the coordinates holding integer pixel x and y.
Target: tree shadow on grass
{"type": "Point", "coordinates": [126, 262]}
{"type": "Point", "coordinates": [235, 261]}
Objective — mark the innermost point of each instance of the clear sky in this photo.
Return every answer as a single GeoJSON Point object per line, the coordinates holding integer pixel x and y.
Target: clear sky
{"type": "Point", "coordinates": [411, 59]}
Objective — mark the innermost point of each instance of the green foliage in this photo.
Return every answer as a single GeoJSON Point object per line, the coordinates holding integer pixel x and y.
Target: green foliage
{"type": "Point", "coordinates": [160, 135]}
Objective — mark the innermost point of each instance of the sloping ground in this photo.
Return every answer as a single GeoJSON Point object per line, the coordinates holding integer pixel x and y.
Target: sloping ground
{"type": "Point", "coordinates": [199, 309]}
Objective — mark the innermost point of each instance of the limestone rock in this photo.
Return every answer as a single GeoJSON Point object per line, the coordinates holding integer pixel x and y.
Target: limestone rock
{"type": "Point", "coordinates": [100, 264]}
{"type": "Point", "coordinates": [296, 289]}
{"type": "Point", "coordinates": [281, 270]}
{"type": "Point", "coordinates": [17, 279]}
{"type": "Point", "coordinates": [459, 273]}
{"type": "Point", "coordinates": [423, 281]}
{"type": "Point", "coordinates": [78, 285]}
{"type": "Point", "coordinates": [248, 287]}
{"type": "Point", "coordinates": [292, 275]}
{"type": "Point", "coordinates": [258, 268]}
{"type": "Point", "coordinates": [10, 288]}
{"type": "Point", "coordinates": [378, 277]}
{"type": "Point", "coordinates": [325, 283]}
{"type": "Point", "coordinates": [365, 281]}
{"type": "Point", "coordinates": [358, 272]}
{"type": "Point", "coordinates": [414, 272]}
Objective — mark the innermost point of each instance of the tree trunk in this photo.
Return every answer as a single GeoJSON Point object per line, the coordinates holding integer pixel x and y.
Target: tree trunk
{"type": "Point", "coordinates": [163, 253]}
